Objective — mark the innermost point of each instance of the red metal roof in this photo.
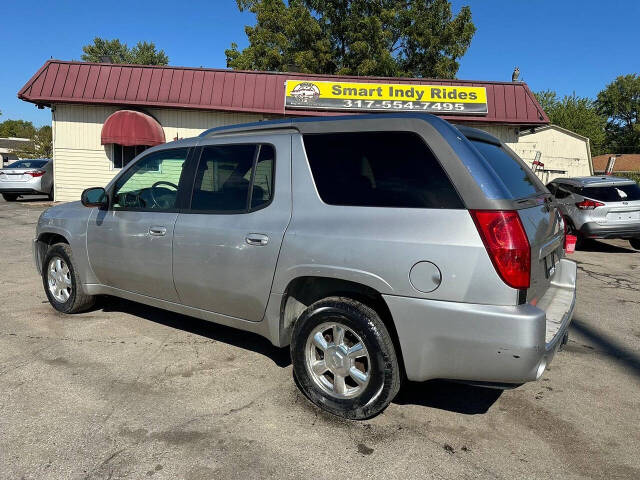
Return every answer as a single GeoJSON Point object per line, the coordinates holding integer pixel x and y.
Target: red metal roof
{"type": "Point", "coordinates": [629, 162]}
{"type": "Point", "coordinates": [127, 127]}
{"type": "Point", "coordinates": [233, 90]}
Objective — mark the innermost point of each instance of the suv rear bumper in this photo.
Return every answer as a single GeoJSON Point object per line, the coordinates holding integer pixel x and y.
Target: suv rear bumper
{"type": "Point", "coordinates": [625, 230]}
{"type": "Point", "coordinates": [484, 343]}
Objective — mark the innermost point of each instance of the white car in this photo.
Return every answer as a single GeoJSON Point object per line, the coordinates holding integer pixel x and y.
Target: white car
{"type": "Point", "coordinates": [27, 177]}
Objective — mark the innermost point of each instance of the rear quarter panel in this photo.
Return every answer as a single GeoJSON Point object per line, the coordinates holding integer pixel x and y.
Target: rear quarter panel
{"type": "Point", "coordinates": [379, 246]}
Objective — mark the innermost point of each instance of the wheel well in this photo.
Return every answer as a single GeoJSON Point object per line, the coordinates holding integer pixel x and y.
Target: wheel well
{"type": "Point", "coordinates": [303, 291]}
{"type": "Point", "coordinates": [49, 238]}
{"type": "Point", "coordinates": [45, 240]}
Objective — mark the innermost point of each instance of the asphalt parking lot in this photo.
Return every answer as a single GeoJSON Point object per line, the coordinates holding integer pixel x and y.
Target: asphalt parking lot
{"type": "Point", "coordinates": [129, 391]}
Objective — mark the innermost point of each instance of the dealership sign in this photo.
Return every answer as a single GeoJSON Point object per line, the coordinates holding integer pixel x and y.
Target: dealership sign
{"type": "Point", "coordinates": [439, 99]}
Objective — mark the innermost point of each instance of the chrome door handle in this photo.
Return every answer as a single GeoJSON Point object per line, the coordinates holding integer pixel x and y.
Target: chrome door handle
{"type": "Point", "coordinates": [257, 239]}
{"type": "Point", "coordinates": [158, 231]}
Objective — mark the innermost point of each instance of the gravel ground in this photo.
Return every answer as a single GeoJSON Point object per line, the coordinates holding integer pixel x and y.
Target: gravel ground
{"type": "Point", "coordinates": [129, 391]}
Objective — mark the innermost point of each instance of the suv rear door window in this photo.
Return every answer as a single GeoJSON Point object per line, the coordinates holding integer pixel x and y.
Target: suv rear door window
{"type": "Point", "coordinates": [519, 182]}
{"type": "Point", "coordinates": [613, 193]}
{"type": "Point", "coordinates": [378, 169]}
{"type": "Point", "coordinates": [233, 178]}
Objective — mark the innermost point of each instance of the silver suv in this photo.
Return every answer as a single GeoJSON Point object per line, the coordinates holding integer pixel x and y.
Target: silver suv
{"type": "Point", "coordinates": [600, 207]}
{"type": "Point", "coordinates": [379, 247]}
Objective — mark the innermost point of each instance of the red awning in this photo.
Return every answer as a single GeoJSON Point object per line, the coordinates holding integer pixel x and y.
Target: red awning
{"type": "Point", "coordinates": [129, 128]}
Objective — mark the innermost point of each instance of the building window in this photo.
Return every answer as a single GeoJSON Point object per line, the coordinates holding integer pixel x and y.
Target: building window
{"type": "Point", "coordinates": [122, 154]}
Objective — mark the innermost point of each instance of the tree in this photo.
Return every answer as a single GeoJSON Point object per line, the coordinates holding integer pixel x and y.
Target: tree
{"type": "Point", "coordinates": [419, 38]}
{"type": "Point", "coordinates": [144, 53]}
{"type": "Point", "coordinates": [619, 102]}
{"type": "Point", "coordinates": [41, 145]}
{"type": "Point", "coordinates": [578, 114]}
{"type": "Point", "coordinates": [17, 128]}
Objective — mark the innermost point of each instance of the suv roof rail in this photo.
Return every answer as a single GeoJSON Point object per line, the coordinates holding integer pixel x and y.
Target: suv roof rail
{"type": "Point", "coordinates": [292, 122]}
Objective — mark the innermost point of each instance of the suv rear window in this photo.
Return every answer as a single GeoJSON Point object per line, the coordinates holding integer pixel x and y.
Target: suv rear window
{"type": "Point", "coordinates": [378, 169]}
{"type": "Point", "coordinates": [520, 182]}
{"type": "Point", "coordinates": [614, 193]}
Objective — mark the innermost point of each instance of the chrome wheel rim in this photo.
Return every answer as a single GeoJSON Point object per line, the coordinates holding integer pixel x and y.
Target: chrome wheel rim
{"type": "Point", "coordinates": [59, 279]}
{"type": "Point", "coordinates": [337, 360]}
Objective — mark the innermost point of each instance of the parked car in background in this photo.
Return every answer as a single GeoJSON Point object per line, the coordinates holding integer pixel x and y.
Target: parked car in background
{"type": "Point", "coordinates": [27, 177]}
{"type": "Point", "coordinates": [378, 247]}
{"type": "Point", "coordinates": [599, 207]}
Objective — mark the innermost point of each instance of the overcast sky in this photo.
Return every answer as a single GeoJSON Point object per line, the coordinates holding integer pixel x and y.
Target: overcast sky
{"type": "Point", "coordinates": [563, 45]}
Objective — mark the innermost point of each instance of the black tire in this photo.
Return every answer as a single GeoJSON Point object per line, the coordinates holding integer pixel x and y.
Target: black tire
{"type": "Point", "coordinates": [78, 301]}
{"type": "Point", "coordinates": [383, 367]}
{"type": "Point", "coordinates": [50, 194]}
{"type": "Point", "coordinates": [635, 243]}
{"type": "Point", "coordinates": [10, 197]}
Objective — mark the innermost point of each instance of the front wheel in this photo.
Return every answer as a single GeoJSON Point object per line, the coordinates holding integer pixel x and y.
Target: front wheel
{"type": "Point", "coordinates": [344, 359]}
{"type": "Point", "coordinates": [635, 243]}
{"type": "Point", "coordinates": [61, 282]}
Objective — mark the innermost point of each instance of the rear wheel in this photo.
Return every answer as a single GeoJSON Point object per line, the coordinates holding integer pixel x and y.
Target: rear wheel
{"type": "Point", "coordinates": [61, 282]}
{"type": "Point", "coordinates": [9, 197]}
{"type": "Point", "coordinates": [50, 194]}
{"type": "Point", "coordinates": [344, 359]}
{"type": "Point", "coordinates": [635, 243]}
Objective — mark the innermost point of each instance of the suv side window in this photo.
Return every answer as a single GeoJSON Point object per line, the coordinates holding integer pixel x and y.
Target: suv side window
{"type": "Point", "coordinates": [378, 169]}
{"type": "Point", "coordinates": [233, 178]}
{"type": "Point", "coordinates": [152, 182]}
{"type": "Point", "coordinates": [563, 191]}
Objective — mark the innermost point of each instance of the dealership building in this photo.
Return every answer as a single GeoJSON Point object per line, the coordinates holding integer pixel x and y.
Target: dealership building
{"type": "Point", "coordinates": [105, 114]}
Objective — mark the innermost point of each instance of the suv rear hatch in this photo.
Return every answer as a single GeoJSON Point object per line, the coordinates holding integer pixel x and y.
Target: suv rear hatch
{"type": "Point", "coordinates": [538, 214]}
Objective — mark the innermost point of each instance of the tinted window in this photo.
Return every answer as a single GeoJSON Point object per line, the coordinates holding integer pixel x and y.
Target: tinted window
{"type": "Point", "coordinates": [617, 193]}
{"type": "Point", "coordinates": [563, 191]}
{"type": "Point", "coordinates": [233, 178]}
{"type": "Point", "coordinates": [28, 164]}
{"type": "Point", "coordinates": [378, 169]}
{"type": "Point", "coordinates": [520, 182]}
{"type": "Point", "coordinates": [152, 182]}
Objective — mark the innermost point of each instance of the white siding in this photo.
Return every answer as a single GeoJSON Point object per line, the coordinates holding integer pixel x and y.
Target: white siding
{"type": "Point", "coordinates": [506, 133]}
{"type": "Point", "coordinates": [563, 152]}
{"type": "Point", "coordinates": [81, 162]}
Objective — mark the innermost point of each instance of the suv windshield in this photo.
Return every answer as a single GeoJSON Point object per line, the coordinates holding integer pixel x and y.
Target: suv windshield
{"type": "Point", "coordinates": [28, 164]}
{"type": "Point", "coordinates": [614, 193]}
{"type": "Point", "coordinates": [520, 182]}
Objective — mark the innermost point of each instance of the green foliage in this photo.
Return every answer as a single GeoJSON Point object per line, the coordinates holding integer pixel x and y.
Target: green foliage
{"type": "Point", "coordinates": [42, 139]}
{"type": "Point", "coordinates": [144, 53]}
{"type": "Point", "coordinates": [578, 114]}
{"type": "Point", "coordinates": [41, 145]}
{"type": "Point", "coordinates": [418, 38]}
{"type": "Point", "coordinates": [17, 128]}
{"type": "Point", "coordinates": [619, 102]}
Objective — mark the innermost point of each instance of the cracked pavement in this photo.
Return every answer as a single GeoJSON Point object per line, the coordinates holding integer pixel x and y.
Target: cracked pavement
{"type": "Point", "coordinates": [129, 391]}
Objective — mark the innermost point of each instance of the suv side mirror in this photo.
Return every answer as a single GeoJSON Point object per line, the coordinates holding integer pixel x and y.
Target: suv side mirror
{"type": "Point", "coordinates": [95, 197]}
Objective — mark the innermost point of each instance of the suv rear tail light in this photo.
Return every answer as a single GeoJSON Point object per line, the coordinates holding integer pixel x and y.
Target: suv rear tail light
{"type": "Point", "coordinates": [589, 204]}
{"type": "Point", "coordinates": [506, 243]}
{"type": "Point", "coordinates": [36, 173]}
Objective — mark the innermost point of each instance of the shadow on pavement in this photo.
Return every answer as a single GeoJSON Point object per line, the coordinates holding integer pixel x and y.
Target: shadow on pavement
{"type": "Point", "coordinates": [609, 346]}
{"type": "Point", "coordinates": [443, 395]}
{"type": "Point", "coordinates": [196, 326]}
{"type": "Point", "coordinates": [590, 245]}
{"type": "Point", "coordinates": [450, 396]}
